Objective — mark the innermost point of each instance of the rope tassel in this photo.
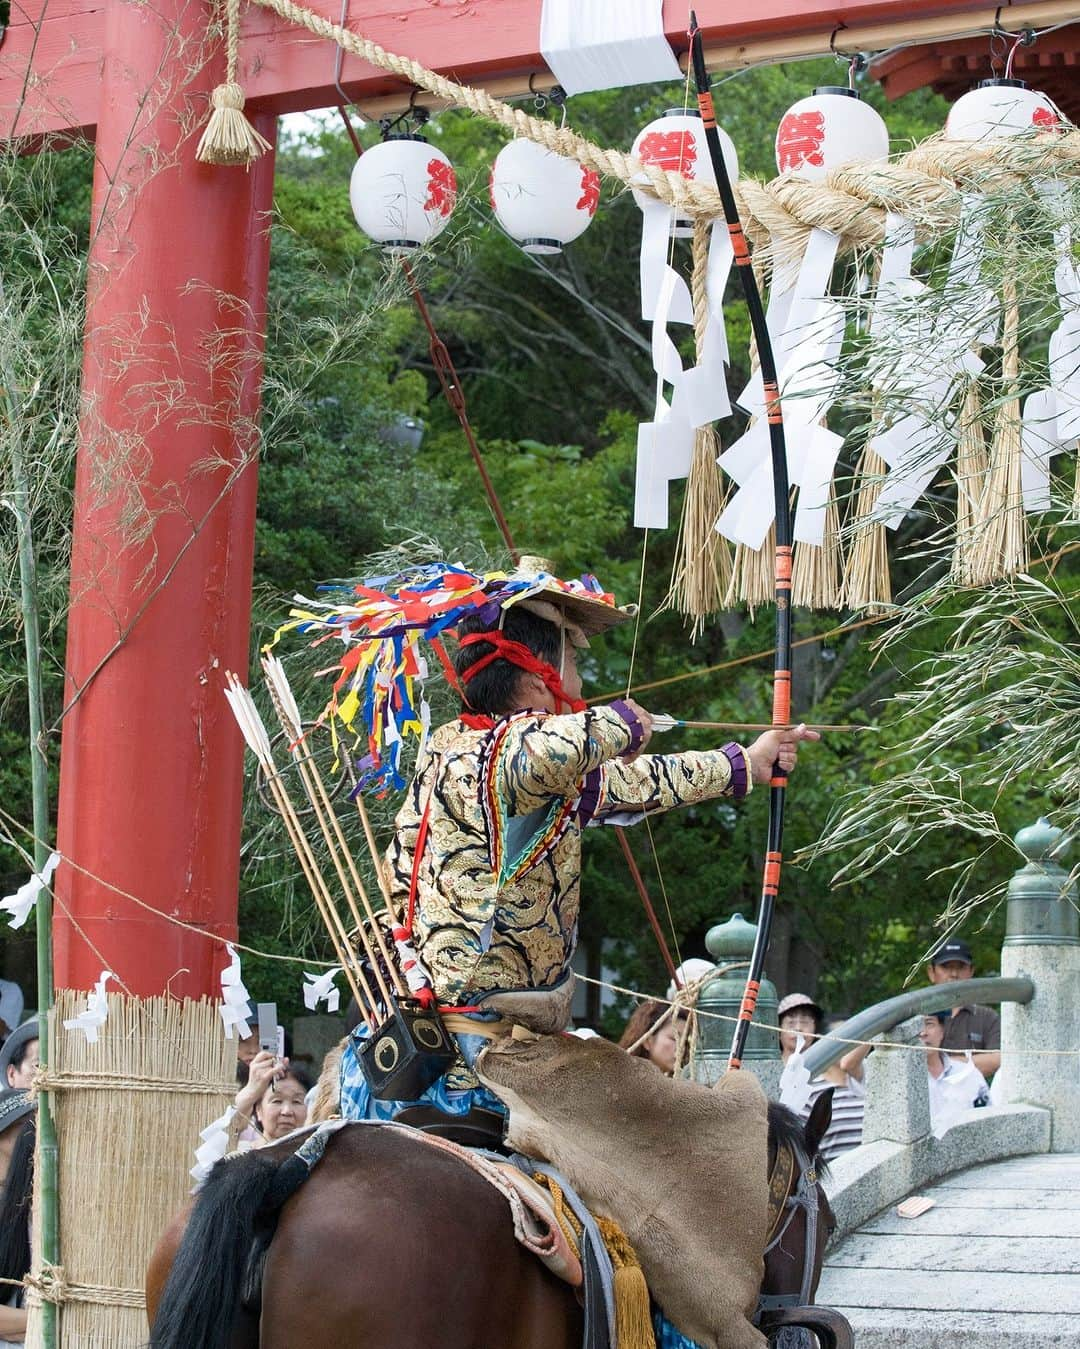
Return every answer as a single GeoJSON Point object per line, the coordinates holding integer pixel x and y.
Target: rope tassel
{"type": "Point", "coordinates": [229, 137]}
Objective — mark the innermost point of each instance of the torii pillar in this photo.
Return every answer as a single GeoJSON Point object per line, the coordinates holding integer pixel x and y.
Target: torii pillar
{"type": "Point", "coordinates": [151, 761]}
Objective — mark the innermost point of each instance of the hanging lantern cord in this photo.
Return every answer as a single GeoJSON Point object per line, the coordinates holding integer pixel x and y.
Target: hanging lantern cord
{"type": "Point", "coordinates": [1025, 38]}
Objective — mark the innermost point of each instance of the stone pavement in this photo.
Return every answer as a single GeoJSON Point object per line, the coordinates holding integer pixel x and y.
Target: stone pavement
{"type": "Point", "coordinates": [994, 1263]}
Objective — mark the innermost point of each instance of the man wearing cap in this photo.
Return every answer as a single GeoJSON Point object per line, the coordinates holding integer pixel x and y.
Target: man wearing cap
{"type": "Point", "coordinates": [486, 857]}
{"type": "Point", "coordinates": [971, 1026]}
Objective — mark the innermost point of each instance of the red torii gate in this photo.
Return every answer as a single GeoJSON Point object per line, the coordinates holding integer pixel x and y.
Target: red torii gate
{"type": "Point", "coordinates": [151, 762]}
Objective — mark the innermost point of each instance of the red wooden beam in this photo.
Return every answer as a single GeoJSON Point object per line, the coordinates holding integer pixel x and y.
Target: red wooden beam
{"type": "Point", "coordinates": [51, 59]}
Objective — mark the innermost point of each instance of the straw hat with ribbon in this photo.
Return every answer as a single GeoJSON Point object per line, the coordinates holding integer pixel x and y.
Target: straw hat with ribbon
{"type": "Point", "coordinates": [385, 623]}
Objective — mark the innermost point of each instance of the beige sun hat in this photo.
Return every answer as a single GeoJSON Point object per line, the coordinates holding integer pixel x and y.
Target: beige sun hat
{"type": "Point", "coordinates": [569, 604]}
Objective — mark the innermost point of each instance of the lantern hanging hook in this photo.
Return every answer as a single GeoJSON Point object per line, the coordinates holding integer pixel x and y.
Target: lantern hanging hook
{"type": "Point", "coordinates": [999, 48]}
{"type": "Point", "coordinates": [857, 61]}
{"type": "Point", "coordinates": [545, 98]}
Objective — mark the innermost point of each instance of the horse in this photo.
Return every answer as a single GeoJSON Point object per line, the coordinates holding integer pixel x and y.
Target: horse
{"type": "Point", "coordinates": [387, 1240]}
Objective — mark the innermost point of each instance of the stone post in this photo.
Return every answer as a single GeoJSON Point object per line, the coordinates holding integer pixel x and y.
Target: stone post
{"type": "Point", "coordinates": [730, 945]}
{"type": "Point", "coordinates": [897, 1092]}
{"type": "Point", "coordinates": [1043, 942]}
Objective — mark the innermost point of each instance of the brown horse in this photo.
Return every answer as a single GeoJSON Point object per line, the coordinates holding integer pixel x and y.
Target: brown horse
{"type": "Point", "coordinates": [389, 1242]}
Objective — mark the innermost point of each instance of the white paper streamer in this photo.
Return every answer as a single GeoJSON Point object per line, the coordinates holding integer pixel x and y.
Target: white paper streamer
{"type": "Point", "coordinates": [606, 44]}
{"type": "Point", "coordinates": [234, 998]}
{"type": "Point", "coordinates": [214, 1145]}
{"type": "Point", "coordinates": [807, 332]}
{"type": "Point", "coordinates": [96, 1013]}
{"type": "Point", "coordinates": [1039, 441]}
{"type": "Point", "coordinates": [795, 1089]}
{"type": "Point", "coordinates": [25, 897]}
{"type": "Point", "coordinates": [322, 989]}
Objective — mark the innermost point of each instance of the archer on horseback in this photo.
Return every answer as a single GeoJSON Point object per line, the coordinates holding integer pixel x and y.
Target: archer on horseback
{"type": "Point", "coordinates": [486, 858]}
{"type": "Point", "coordinates": [482, 882]}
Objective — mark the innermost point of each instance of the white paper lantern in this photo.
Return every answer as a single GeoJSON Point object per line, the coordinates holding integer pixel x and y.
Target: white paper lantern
{"type": "Point", "coordinates": [541, 199]}
{"type": "Point", "coordinates": [996, 108]}
{"type": "Point", "coordinates": [676, 141]}
{"type": "Point", "coordinates": [831, 128]}
{"type": "Point", "coordinates": [402, 192]}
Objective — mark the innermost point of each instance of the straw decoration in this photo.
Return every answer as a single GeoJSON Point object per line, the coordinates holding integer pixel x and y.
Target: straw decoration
{"type": "Point", "coordinates": [229, 137]}
{"type": "Point", "coordinates": [128, 1111]}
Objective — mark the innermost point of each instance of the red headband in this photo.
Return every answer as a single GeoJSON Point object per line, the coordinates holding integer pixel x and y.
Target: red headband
{"type": "Point", "coordinates": [518, 654]}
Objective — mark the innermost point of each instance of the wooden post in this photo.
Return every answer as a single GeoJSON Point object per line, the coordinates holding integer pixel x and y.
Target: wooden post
{"type": "Point", "coordinates": [150, 783]}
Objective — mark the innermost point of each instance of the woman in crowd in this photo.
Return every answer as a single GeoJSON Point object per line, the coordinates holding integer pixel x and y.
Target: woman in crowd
{"type": "Point", "coordinates": [19, 1056]}
{"type": "Point", "coordinates": [272, 1100]}
{"type": "Point", "coordinates": [800, 1015]}
{"type": "Point", "coordinates": [955, 1084]}
{"type": "Point", "coordinates": [17, 1132]}
{"type": "Point", "coordinates": [654, 1032]}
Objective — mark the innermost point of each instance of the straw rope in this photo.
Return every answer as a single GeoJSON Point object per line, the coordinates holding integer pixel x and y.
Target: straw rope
{"type": "Point", "coordinates": [924, 183]}
{"type": "Point", "coordinates": [52, 1286]}
{"type": "Point", "coordinates": [43, 1080]}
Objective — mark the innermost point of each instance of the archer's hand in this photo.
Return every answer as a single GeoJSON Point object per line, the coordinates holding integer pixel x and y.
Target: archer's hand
{"type": "Point", "coordinates": [777, 746]}
{"type": "Point", "coordinates": [646, 726]}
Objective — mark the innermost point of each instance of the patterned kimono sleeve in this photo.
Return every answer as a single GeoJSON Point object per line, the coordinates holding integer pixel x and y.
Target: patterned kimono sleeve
{"type": "Point", "coordinates": [545, 758]}
{"type": "Point", "coordinates": [655, 782]}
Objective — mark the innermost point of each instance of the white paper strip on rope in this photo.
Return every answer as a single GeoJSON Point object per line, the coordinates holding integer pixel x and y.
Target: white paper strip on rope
{"type": "Point", "coordinates": [235, 1004]}
{"type": "Point", "coordinates": [214, 1145]}
{"type": "Point", "coordinates": [807, 329]}
{"type": "Point", "coordinates": [96, 1012]}
{"type": "Point", "coordinates": [606, 44]}
{"type": "Point", "coordinates": [1040, 440]}
{"type": "Point", "coordinates": [23, 900]}
{"type": "Point", "coordinates": [322, 989]}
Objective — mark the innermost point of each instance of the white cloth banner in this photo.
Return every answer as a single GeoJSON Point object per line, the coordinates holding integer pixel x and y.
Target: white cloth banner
{"type": "Point", "coordinates": [606, 44]}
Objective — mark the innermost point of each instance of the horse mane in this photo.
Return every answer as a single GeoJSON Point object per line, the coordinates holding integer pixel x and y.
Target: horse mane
{"type": "Point", "coordinates": [787, 1129]}
{"type": "Point", "coordinates": [202, 1290]}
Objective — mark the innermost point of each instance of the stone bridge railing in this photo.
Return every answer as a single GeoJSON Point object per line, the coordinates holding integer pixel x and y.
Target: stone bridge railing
{"type": "Point", "coordinates": [1040, 1034]}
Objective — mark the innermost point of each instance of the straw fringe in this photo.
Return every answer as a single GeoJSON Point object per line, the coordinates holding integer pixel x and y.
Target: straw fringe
{"type": "Point", "coordinates": [1000, 547]}
{"type": "Point", "coordinates": [124, 1153]}
{"type": "Point", "coordinates": [970, 473]}
{"type": "Point", "coordinates": [867, 584]}
{"type": "Point", "coordinates": [229, 137]}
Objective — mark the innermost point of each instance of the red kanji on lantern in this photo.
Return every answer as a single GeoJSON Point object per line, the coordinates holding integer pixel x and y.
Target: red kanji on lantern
{"type": "Point", "coordinates": [798, 140]}
{"type": "Point", "coordinates": [1046, 118]}
{"type": "Point", "coordinates": [590, 191]}
{"type": "Point", "coordinates": [673, 150]}
{"type": "Point", "coordinates": [442, 187]}
{"type": "Point", "coordinates": [491, 189]}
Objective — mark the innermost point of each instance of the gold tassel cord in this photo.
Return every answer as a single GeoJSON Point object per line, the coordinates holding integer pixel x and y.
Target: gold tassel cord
{"type": "Point", "coordinates": [633, 1313]}
{"type": "Point", "coordinates": [229, 138]}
